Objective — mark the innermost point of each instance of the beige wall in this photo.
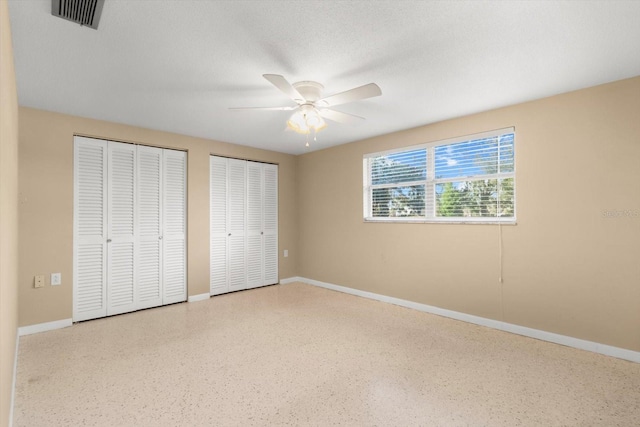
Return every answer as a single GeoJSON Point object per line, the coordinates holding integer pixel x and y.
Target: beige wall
{"type": "Point", "coordinates": [567, 268]}
{"type": "Point", "coordinates": [46, 204]}
{"type": "Point", "coordinates": [8, 214]}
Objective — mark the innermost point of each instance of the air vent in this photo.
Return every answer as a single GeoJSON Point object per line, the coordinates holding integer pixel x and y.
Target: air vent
{"type": "Point", "coordinates": [83, 12]}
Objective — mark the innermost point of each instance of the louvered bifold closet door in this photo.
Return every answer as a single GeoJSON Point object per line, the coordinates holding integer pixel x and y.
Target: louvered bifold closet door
{"type": "Point", "coordinates": [218, 225]}
{"type": "Point", "coordinates": [121, 245]}
{"type": "Point", "coordinates": [149, 256]}
{"type": "Point", "coordinates": [236, 218]}
{"type": "Point", "coordinates": [90, 229]}
{"type": "Point", "coordinates": [270, 225]}
{"type": "Point", "coordinates": [174, 215]}
{"type": "Point", "coordinates": [255, 206]}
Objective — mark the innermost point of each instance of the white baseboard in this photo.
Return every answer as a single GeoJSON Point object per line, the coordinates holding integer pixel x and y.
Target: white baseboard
{"type": "Point", "coordinates": [290, 280]}
{"type": "Point", "coordinates": [607, 350]}
{"type": "Point", "coordinates": [199, 297]}
{"type": "Point", "coordinates": [13, 381]}
{"type": "Point", "coordinates": [43, 327]}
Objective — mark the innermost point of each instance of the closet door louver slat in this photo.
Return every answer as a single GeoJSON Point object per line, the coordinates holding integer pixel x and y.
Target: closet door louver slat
{"type": "Point", "coordinates": [90, 273]}
{"type": "Point", "coordinates": [174, 219]}
{"type": "Point", "coordinates": [218, 225]}
{"type": "Point", "coordinates": [236, 224]}
{"type": "Point", "coordinates": [255, 207]}
{"type": "Point", "coordinates": [121, 217]}
{"type": "Point", "coordinates": [149, 226]}
{"type": "Point", "coordinates": [270, 224]}
{"type": "Point", "coordinates": [90, 229]}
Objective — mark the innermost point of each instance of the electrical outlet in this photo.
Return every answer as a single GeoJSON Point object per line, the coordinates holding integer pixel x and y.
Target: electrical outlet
{"type": "Point", "coordinates": [286, 253]}
{"type": "Point", "coordinates": [56, 279]}
{"type": "Point", "coordinates": [38, 282]}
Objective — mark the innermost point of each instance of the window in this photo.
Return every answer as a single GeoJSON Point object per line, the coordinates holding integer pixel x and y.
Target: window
{"type": "Point", "coordinates": [468, 179]}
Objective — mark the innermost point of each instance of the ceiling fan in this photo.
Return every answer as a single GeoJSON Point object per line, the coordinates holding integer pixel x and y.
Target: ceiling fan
{"type": "Point", "coordinates": [311, 109]}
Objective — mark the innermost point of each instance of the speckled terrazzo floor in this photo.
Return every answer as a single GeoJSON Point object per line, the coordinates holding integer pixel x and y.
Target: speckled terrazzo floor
{"type": "Point", "coordinates": [300, 355]}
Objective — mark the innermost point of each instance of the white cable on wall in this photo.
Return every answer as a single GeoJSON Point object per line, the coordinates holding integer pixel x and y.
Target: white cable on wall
{"type": "Point", "coordinates": [500, 272]}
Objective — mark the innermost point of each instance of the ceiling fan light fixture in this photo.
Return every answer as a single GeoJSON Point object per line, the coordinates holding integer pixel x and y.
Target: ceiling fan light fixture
{"type": "Point", "coordinates": [313, 121]}
{"type": "Point", "coordinates": [306, 119]}
{"type": "Point", "coordinates": [297, 123]}
{"type": "Point", "coordinates": [321, 125]}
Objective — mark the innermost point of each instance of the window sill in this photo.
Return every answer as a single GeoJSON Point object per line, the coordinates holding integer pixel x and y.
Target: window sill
{"type": "Point", "coordinates": [485, 221]}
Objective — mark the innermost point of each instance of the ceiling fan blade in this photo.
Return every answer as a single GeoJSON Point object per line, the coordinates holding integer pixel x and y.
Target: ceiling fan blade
{"type": "Point", "coordinates": [339, 116]}
{"type": "Point", "coordinates": [281, 83]}
{"type": "Point", "coordinates": [363, 92]}
{"type": "Point", "coordinates": [263, 108]}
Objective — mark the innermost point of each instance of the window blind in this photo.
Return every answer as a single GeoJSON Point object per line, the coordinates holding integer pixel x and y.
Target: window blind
{"type": "Point", "coordinates": [466, 179]}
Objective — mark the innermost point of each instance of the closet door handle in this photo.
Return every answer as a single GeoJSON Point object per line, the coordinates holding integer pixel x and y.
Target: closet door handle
{"type": "Point", "coordinates": [229, 234]}
{"type": "Point", "coordinates": [159, 237]}
{"type": "Point", "coordinates": [108, 240]}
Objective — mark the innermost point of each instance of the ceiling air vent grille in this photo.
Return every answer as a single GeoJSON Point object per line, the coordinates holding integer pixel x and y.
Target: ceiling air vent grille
{"type": "Point", "coordinates": [83, 12]}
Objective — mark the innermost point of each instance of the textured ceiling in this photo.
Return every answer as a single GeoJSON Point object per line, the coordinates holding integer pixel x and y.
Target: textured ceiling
{"type": "Point", "coordinates": [179, 65]}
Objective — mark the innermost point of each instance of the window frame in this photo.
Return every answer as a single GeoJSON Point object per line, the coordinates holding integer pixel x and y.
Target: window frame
{"type": "Point", "coordinates": [430, 182]}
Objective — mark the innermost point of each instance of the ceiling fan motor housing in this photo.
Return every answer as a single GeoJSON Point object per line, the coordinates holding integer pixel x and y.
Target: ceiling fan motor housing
{"type": "Point", "coordinates": [309, 90]}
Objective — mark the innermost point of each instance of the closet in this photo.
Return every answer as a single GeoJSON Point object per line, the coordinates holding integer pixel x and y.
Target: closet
{"type": "Point", "coordinates": [129, 227]}
{"type": "Point", "coordinates": [243, 224]}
